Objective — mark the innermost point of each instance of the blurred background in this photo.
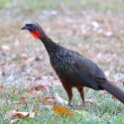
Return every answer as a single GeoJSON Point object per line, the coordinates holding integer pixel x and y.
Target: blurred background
{"type": "Point", "coordinates": [93, 28]}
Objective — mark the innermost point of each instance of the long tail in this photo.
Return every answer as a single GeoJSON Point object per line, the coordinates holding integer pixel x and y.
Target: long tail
{"type": "Point", "coordinates": [114, 90]}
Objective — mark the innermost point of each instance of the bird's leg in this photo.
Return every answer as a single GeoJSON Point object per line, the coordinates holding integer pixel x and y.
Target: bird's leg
{"type": "Point", "coordinates": [81, 91]}
{"type": "Point", "coordinates": [69, 92]}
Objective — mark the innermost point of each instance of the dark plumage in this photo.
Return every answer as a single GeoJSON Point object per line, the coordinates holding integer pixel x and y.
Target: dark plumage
{"type": "Point", "coordinates": [73, 69]}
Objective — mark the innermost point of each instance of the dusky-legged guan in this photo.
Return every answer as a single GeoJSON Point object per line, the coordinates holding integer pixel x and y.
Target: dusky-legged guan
{"type": "Point", "coordinates": [73, 69]}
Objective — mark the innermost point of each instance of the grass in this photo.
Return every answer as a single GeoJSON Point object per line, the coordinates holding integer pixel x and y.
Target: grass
{"type": "Point", "coordinates": [108, 112]}
{"type": "Point", "coordinates": [22, 58]}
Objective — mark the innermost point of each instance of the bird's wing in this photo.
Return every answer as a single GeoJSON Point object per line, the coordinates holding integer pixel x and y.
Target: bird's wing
{"type": "Point", "coordinates": [84, 72]}
{"type": "Point", "coordinates": [86, 65]}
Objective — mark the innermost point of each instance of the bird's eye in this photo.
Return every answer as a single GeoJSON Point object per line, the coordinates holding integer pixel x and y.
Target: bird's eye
{"type": "Point", "coordinates": [33, 25]}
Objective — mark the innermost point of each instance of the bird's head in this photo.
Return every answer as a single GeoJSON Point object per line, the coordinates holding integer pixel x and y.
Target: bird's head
{"type": "Point", "coordinates": [35, 30]}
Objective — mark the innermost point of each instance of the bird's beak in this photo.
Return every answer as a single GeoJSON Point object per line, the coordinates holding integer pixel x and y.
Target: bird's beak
{"type": "Point", "coordinates": [25, 27]}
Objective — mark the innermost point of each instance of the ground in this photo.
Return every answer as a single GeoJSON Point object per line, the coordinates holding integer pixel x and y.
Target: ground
{"type": "Point", "coordinates": [92, 28]}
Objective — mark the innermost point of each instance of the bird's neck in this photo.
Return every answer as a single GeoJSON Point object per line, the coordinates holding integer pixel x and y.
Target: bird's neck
{"type": "Point", "coordinates": [49, 44]}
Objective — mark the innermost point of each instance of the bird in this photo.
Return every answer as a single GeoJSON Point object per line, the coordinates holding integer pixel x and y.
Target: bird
{"type": "Point", "coordinates": [74, 69]}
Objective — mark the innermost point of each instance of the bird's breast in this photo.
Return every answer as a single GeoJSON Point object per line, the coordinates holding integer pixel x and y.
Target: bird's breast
{"type": "Point", "coordinates": [60, 63]}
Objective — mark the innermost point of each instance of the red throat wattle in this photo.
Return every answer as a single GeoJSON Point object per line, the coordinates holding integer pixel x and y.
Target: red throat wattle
{"type": "Point", "coordinates": [35, 34]}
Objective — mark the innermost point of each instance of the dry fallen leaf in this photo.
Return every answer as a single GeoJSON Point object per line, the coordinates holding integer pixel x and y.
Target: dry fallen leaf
{"type": "Point", "coordinates": [32, 93]}
{"type": "Point", "coordinates": [40, 88]}
{"type": "Point", "coordinates": [61, 110]}
{"type": "Point", "coordinates": [16, 114]}
{"type": "Point", "coordinates": [22, 100]}
{"type": "Point", "coordinates": [37, 89]}
{"type": "Point", "coordinates": [22, 114]}
{"type": "Point", "coordinates": [11, 114]}
{"type": "Point", "coordinates": [25, 114]}
{"type": "Point", "coordinates": [47, 99]}
{"type": "Point", "coordinates": [41, 84]}
{"type": "Point", "coordinates": [89, 101]}
{"type": "Point", "coordinates": [1, 88]}
{"type": "Point", "coordinates": [59, 99]}
{"type": "Point", "coordinates": [114, 98]}
{"type": "Point", "coordinates": [37, 78]}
